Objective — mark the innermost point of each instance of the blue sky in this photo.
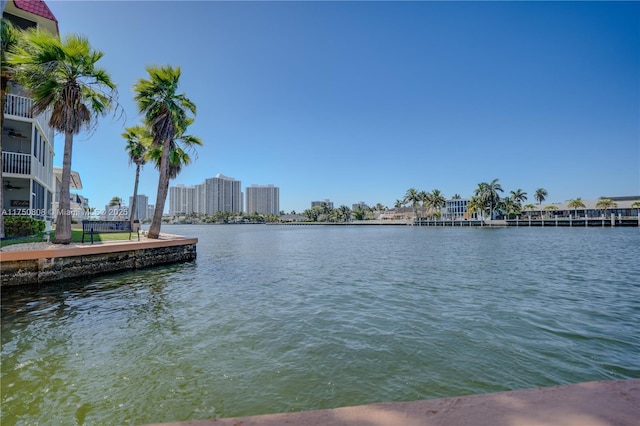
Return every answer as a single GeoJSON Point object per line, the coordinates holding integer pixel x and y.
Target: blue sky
{"type": "Point", "coordinates": [359, 101]}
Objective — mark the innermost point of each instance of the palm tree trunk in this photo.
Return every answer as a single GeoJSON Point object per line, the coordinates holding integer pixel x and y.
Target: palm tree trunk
{"type": "Point", "coordinates": [135, 195]}
{"type": "Point", "coordinates": [63, 218]}
{"type": "Point", "coordinates": [161, 197]}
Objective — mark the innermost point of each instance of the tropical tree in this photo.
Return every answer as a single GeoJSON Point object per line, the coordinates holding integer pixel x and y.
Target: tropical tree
{"type": "Point", "coordinates": [179, 150]}
{"type": "Point", "coordinates": [138, 141]}
{"type": "Point", "coordinates": [423, 196]}
{"type": "Point", "coordinates": [345, 213]}
{"type": "Point", "coordinates": [313, 213]}
{"type": "Point", "coordinates": [412, 197]}
{"type": "Point", "coordinates": [359, 213]}
{"type": "Point", "coordinates": [541, 195]}
{"type": "Point", "coordinates": [165, 112]}
{"type": "Point", "coordinates": [605, 204]}
{"type": "Point", "coordinates": [116, 202]}
{"type": "Point", "coordinates": [435, 201]}
{"type": "Point", "coordinates": [9, 39]}
{"type": "Point", "coordinates": [510, 205]}
{"type": "Point", "coordinates": [488, 193]}
{"type": "Point", "coordinates": [550, 208]}
{"type": "Point", "coordinates": [636, 205]}
{"type": "Point", "coordinates": [398, 204]}
{"type": "Point", "coordinates": [519, 196]}
{"type": "Point", "coordinates": [575, 205]}
{"type": "Point", "coordinates": [529, 208]}
{"type": "Point", "coordinates": [476, 205]}
{"type": "Point", "coordinates": [62, 75]}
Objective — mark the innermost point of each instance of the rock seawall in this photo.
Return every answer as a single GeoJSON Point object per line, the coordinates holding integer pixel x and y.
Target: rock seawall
{"type": "Point", "coordinates": [43, 267]}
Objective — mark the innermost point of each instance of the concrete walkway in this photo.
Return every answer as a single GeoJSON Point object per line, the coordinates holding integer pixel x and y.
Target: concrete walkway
{"type": "Point", "coordinates": [609, 403]}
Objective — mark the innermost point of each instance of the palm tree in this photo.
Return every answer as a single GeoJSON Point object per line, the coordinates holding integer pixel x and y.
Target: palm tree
{"type": "Point", "coordinates": [9, 39]}
{"type": "Point", "coordinates": [551, 208]}
{"type": "Point", "coordinates": [510, 205]}
{"type": "Point", "coordinates": [138, 141]}
{"type": "Point", "coordinates": [62, 75]}
{"type": "Point", "coordinates": [575, 205]}
{"type": "Point", "coordinates": [636, 205]}
{"type": "Point", "coordinates": [529, 208]}
{"type": "Point", "coordinates": [116, 202]}
{"type": "Point", "coordinates": [345, 213]}
{"type": "Point", "coordinates": [488, 193]}
{"type": "Point", "coordinates": [540, 195]}
{"type": "Point", "coordinates": [413, 197]}
{"type": "Point", "coordinates": [178, 151]}
{"type": "Point", "coordinates": [476, 205]}
{"type": "Point", "coordinates": [436, 200]}
{"type": "Point", "coordinates": [519, 196]}
{"type": "Point", "coordinates": [605, 204]}
{"type": "Point", "coordinates": [165, 112]}
{"type": "Point", "coordinates": [423, 196]}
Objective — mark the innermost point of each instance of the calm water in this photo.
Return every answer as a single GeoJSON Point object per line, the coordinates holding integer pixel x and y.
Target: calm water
{"type": "Point", "coordinates": [287, 318]}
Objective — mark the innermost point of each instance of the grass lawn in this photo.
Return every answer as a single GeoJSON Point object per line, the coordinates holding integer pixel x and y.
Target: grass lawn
{"type": "Point", "coordinates": [76, 237]}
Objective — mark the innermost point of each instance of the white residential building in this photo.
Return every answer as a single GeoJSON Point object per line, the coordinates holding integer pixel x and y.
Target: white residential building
{"type": "Point", "coordinates": [79, 205]}
{"type": "Point", "coordinates": [27, 140]}
{"type": "Point", "coordinates": [220, 193]}
{"type": "Point", "coordinates": [263, 199]}
{"type": "Point", "coordinates": [142, 203]}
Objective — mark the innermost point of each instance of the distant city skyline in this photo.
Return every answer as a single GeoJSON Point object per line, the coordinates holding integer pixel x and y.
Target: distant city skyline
{"type": "Point", "coordinates": [360, 101]}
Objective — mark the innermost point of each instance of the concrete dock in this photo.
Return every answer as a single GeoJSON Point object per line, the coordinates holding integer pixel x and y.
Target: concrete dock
{"type": "Point", "coordinates": [607, 403]}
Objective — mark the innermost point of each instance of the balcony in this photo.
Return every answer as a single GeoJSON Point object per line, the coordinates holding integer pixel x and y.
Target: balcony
{"type": "Point", "coordinates": [16, 163]}
{"type": "Point", "coordinates": [20, 106]}
{"type": "Point", "coordinates": [27, 166]}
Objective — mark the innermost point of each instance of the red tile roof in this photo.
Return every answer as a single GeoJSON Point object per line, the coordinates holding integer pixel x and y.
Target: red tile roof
{"type": "Point", "coordinates": [37, 7]}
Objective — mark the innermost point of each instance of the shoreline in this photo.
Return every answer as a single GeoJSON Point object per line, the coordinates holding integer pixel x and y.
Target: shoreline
{"type": "Point", "coordinates": [602, 403]}
{"type": "Point", "coordinates": [46, 263]}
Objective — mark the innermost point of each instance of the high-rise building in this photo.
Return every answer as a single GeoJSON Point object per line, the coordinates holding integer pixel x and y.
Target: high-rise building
{"type": "Point", "coordinates": [220, 193]}
{"type": "Point", "coordinates": [328, 202]}
{"type": "Point", "coordinates": [263, 199]}
{"type": "Point", "coordinates": [142, 202]}
{"type": "Point", "coordinates": [360, 204]}
{"type": "Point", "coordinates": [181, 199]}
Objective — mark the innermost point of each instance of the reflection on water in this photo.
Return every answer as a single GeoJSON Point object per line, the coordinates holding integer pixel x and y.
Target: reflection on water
{"type": "Point", "coordinates": [276, 318]}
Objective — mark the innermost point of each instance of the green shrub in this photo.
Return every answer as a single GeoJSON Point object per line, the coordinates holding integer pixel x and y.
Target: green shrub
{"type": "Point", "coordinates": [20, 226]}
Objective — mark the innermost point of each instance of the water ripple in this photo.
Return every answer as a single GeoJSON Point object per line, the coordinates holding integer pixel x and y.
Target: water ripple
{"type": "Point", "coordinates": [276, 319]}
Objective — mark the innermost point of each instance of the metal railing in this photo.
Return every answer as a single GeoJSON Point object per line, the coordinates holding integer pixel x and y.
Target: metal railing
{"type": "Point", "coordinates": [20, 106]}
{"type": "Point", "coordinates": [16, 163]}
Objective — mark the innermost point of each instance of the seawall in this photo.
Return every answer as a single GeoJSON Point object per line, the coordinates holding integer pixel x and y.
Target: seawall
{"type": "Point", "coordinates": [58, 263]}
{"type": "Point", "coordinates": [607, 403]}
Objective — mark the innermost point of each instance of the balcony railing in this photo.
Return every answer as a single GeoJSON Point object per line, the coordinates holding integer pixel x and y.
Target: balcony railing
{"type": "Point", "coordinates": [16, 163]}
{"type": "Point", "coordinates": [20, 106]}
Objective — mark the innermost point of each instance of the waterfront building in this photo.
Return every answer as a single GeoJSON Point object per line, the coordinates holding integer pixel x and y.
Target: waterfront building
{"type": "Point", "coordinates": [182, 200]}
{"type": "Point", "coordinates": [263, 199]}
{"type": "Point", "coordinates": [142, 203]}
{"type": "Point", "coordinates": [456, 209]}
{"type": "Point", "coordinates": [220, 193]}
{"type": "Point", "coordinates": [326, 202]}
{"type": "Point", "coordinates": [27, 140]}
{"type": "Point", "coordinates": [621, 207]}
{"type": "Point", "coordinates": [79, 205]}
